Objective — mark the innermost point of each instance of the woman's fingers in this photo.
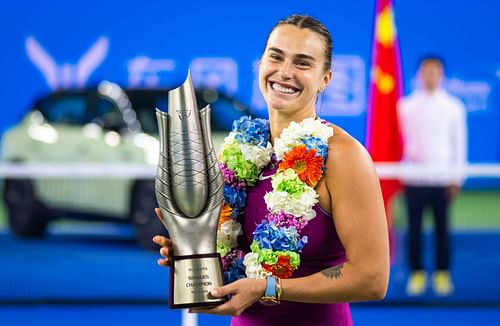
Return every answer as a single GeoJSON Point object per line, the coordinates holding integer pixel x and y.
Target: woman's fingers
{"type": "Point", "coordinates": [162, 241]}
{"type": "Point", "coordinates": [158, 213]}
{"type": "Point", "coordinates": [166, 246]}
{"type": "Point", "coordinates": [163, 262]}
{"type": "Point", "coordinates": [166, 252]}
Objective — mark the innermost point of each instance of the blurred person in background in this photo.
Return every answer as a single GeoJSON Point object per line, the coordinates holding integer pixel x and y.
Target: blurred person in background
{"type": "Point", "coordinates": [346, 257]}
{"type": "Point", "coordinates": [433, 125]}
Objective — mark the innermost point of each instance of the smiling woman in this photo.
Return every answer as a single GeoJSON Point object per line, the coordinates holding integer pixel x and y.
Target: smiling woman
{"type": "Point", "coordinates": [304, 194]}
{"type": "Point", "coordinates": [294, 68]}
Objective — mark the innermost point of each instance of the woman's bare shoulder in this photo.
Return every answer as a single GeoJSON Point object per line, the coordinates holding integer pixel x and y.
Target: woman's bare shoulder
{"type": "Point", "coordinates": [346, 152]}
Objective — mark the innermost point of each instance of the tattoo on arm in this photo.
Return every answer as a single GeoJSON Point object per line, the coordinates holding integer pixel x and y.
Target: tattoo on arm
{"type": "Point", "coordinates": [333, 272]}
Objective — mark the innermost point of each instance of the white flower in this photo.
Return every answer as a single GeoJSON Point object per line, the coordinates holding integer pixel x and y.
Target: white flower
{"type": "Point", "coordinates": [228, 233]}
{"type": "Point", "coordinates": [231, 138]}
{"type": "Point", "coordinates": [295, 132]}
{"type": "Point", "coordinates": [228, 141]}
{"type": "Point", "coordinates": [253, 268]}
{"type": "Point", "coordinates": [283, 145]}
{"type": "Point", "coordinates": [258, 155]}
{"type": "Point", "coordinates": [300, 205]}
{"type": "Point", "coordinates": [322, 131]}
{"type": "Point", "coordinates": [251, 258]}
{"type": "Point", "coordinates": [309, 126]}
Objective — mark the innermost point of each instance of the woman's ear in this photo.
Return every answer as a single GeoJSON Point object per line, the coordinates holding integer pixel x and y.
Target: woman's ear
{"type": "Point", "coordinates": [326, 80]}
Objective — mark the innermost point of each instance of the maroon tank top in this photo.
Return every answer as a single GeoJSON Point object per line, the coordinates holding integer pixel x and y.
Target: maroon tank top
{"type": "Point", "coordinates": [322, 250]}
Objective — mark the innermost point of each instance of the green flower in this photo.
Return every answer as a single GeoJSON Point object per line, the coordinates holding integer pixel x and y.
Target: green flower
{"type": "Point", "coordinates": [234, 160]}
{"type": "Point", "coordinates": [288, 181]}
{"type": "Point", "coordinates": [270, 257]}
{"type": "Point", "coordinates": [223, 250]}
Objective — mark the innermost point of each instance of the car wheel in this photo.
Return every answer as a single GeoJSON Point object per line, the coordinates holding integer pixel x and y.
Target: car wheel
{"type": "Point", "coordinates": [27, 217]}
{"type": "Point", "coordinates": [142, 214]}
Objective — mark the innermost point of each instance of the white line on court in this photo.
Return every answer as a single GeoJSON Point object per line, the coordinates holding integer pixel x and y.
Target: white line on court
{"type": "Point", "coordinates": [189, 319]}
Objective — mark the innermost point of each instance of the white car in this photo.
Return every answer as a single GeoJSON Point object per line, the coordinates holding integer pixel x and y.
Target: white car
{"type": "Point", "coordinates": [101, 125]}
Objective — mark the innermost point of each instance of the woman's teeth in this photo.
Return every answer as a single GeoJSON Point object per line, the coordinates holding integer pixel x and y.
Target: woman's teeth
{"type": "Point", "coordinates": [278, 88]}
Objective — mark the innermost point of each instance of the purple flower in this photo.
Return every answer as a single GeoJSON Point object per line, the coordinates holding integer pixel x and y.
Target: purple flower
{"type": "Point", "coordinates": [283, 219]}
{"type": "Point", "coordinates": [230, 178]}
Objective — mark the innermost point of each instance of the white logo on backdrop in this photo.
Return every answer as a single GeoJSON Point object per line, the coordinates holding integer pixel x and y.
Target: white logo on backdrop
{"type": "Point", "coordinates": [474, 94]}
{"type": "Point", "coordinates": [144, 71]}
{"type": "Point", "coordinates": [217, 73]}
{"type": "Point", "coordinates": [345, 95]}
{"type": "Point", "coordinates": [67, 75]}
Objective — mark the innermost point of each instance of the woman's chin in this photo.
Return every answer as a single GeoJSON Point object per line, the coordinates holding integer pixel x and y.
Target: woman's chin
{"type": "Point", "coordinates": [281, 105]}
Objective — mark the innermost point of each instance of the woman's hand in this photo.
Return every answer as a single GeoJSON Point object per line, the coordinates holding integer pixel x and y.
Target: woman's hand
{"type": "Point", "coordinates": [166, 246]}
{"type": "Point", "coordinates": [244, 293]}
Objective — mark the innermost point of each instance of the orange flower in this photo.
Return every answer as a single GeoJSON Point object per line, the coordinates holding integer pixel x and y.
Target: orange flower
{"type": "Point", "coordinates": [225, 215]}
{"type": "Point", "coordinates": [305, 163]}
{"type": "Point", "coordinates": [281, 269]}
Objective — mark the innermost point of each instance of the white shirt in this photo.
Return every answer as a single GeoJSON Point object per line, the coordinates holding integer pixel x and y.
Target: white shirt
{"type": "Point", "coordinates": [434, 131]}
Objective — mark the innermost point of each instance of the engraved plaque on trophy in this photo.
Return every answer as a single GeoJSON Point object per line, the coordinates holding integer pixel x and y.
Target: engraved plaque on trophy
{"type": "Point", "coordinates": [190, 191]}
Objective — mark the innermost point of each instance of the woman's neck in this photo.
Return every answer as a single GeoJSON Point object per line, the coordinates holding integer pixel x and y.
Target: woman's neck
{"type": "Point", "coordinates": [279, 120]}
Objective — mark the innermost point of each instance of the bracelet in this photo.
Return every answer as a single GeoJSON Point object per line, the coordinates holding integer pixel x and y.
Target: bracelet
{"type": "Point", "coordinates": [279, 290]}
{"type": "Point", "coordinates": [272, 295]}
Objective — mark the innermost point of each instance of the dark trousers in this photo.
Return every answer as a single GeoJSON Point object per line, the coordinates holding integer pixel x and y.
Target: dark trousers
{"type": "Point", "coordinates": [417, 199]}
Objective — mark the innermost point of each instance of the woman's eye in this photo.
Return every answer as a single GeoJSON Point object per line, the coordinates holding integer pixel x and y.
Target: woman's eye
{"type": "Point", "coordinates": [303, 64]}
{"type": "Point", "coordinates": [274, 56]}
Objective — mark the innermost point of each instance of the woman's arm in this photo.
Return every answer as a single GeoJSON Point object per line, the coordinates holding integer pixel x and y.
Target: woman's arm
{"type": "Point", "coordinates": [359, 216]}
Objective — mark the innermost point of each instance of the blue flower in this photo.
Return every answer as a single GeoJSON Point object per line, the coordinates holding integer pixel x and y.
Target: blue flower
{"type": "Point", "coordinates": [319, 145]}
{"type": "Point", "coordinates": [270, 236]}
{"type": "Point", "coordinates": [235, 212]}
{"type": "Point", "coordinates": [251, 131]}
{"type": "Point", "coordinates": [235, 271]}
{"type": "Point", "coordinates": [236, 198]}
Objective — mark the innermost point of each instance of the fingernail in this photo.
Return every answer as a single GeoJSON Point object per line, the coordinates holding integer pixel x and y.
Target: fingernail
{"type": "Point", "coordinates": [155, 238]}
{"type": "Point", "coordinates": [159, 262]}
{"type": "Point", "coordinates": [214, 291]}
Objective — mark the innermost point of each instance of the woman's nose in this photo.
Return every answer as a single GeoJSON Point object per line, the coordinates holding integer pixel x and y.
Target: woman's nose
{"type": "Point", "coordinates": [286, 70]}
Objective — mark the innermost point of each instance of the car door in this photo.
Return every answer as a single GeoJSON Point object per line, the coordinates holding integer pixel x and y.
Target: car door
{"type": "Point", "coordinates": [88, 129]}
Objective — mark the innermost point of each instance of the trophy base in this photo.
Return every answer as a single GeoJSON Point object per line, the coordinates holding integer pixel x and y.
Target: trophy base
{"type": "Point", "coordinates": [191, 279]}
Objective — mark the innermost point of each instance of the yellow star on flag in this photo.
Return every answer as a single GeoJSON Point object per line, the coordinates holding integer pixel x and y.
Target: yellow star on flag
{"type": "Point", "coordinates": [386, 29]}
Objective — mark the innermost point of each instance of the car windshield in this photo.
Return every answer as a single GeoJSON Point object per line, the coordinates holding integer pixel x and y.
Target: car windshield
{"type": "Point", "coordinates": [68, 110]}
{"type": "Point", "coordinates": [80, 109]}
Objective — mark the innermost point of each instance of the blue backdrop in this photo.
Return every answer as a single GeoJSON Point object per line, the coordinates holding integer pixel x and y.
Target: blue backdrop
{"type": "Point", "coordinates": [51, 44]}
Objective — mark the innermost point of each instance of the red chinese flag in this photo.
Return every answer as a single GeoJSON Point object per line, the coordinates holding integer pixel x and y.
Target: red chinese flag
{"type": "Point", "coordinates": [383, 134]}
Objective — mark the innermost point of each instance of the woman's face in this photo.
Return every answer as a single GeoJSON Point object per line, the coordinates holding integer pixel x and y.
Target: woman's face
{"type": "Point", "coordinates": [291, 69]}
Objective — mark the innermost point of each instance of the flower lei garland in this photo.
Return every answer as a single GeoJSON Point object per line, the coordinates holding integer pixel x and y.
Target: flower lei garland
{"type": "Point", "coordinates": [301, 152]}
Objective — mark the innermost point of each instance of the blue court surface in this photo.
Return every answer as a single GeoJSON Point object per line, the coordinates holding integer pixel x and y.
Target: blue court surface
{"type": "Point", "coordinates": [96, 274]}
{"type": "Point", "coordinates": [84, 315]}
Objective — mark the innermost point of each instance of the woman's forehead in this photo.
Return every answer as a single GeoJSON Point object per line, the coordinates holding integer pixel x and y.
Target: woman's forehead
{"type": "Point", "coordinates": [293, 40]}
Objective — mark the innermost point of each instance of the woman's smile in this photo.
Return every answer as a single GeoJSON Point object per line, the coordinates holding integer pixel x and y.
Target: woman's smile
{"type": "Point", "coordinates": [281, 88]}
{"type": "Point", "coordinates": [291, 70]}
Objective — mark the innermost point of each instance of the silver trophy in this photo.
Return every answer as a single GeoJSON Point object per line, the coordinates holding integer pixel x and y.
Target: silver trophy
{"type": "Point", "coordinates": [190, 191]}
